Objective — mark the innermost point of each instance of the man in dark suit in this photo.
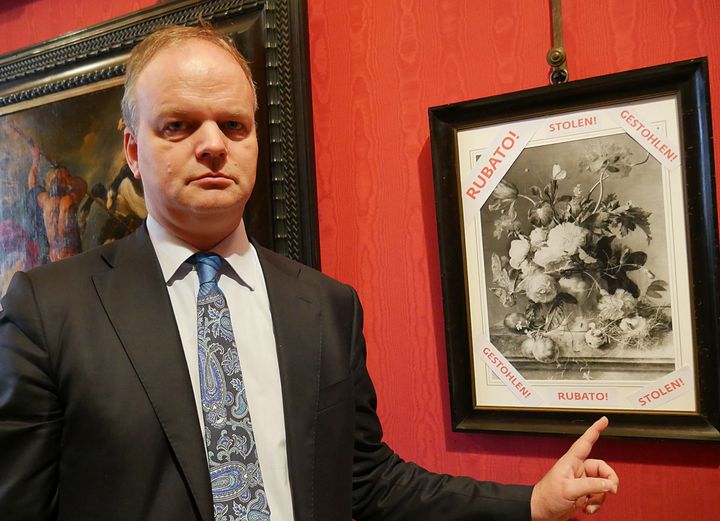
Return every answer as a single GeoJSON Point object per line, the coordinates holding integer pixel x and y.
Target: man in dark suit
{"type": "Point", "coordinates": [114, 379]}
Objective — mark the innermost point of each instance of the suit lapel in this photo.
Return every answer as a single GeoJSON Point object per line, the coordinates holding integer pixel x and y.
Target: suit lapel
{"type": "Point", "coordinates": [134, 298]}
{"type": "Point", "coordinates": [296, 323]}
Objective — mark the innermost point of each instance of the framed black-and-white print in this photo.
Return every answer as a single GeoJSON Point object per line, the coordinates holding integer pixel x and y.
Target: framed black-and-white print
{"type": "Point", "coordinates": [59, 127]}
{"type": "Point", "coordinates": [579, 248]}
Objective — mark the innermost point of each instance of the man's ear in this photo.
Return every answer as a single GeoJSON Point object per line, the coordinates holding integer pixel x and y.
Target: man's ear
{"type": "Point", "coordinates": [131, 152]}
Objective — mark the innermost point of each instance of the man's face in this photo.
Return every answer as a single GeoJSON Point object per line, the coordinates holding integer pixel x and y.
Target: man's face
{"type": "Point", "coordinates": [194, 146]}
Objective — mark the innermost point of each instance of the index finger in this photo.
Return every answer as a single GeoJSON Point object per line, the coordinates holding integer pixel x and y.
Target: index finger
{"type": "Point", "coordinates": [584, 444]}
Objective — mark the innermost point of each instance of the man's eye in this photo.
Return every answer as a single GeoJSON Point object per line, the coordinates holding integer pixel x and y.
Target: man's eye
{"type": "Point", "coordinates": [177, 129]}
{"type": "Point", "coordinates": [175, 126]}
{"type": "Point", "coordinates": [235, 127]}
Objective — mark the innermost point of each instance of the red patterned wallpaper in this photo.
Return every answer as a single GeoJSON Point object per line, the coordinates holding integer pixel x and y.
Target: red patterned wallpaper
{"type": "Point", "coordinates": [25, 22]}
{"type": "Point", "coordinates": [376, 68]}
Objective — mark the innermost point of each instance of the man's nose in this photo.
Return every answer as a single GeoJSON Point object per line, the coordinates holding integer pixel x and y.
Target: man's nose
{"type": "Point", "coordinates": [211, 142]}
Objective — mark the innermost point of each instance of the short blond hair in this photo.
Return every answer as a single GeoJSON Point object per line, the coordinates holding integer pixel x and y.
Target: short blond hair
{"type": "Point", "coordinates": [171, 36]}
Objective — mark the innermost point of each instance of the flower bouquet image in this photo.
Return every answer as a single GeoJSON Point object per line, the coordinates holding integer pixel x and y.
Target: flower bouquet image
{"type": "Point", "coordinates": [576, 262]}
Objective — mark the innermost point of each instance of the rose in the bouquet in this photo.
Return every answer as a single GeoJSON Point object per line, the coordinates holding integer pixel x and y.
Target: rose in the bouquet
{"type": "Point", "coordinates": [608, 157]}
{"type": "Point", "coordinates": [541, 288]}
{"type": "Point", "coordinates": [519, 249]}
{"type": "Point", "coordinates": [616, 306]}
{"type": "Point", "coordinates": [562, 241]}
{"type": "Point", "coordinates": [538, 236]}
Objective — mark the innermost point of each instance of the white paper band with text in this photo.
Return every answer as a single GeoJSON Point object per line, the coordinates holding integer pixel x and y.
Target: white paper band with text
{"type": "Point", "coordinates": [493, 164]}
{"type": "Point", "coordinates": [584, 397]}
{"type": "Point", "coordinates": [578, 122]}
{"type": "Point", "coordinates": [508, 375]}
{"type": "Point", "coordinates": [663, 389]}
{"type": "Point", "coordinates": [647, 135]}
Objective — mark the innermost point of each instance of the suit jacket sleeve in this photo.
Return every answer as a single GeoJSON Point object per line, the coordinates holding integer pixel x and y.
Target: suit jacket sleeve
{"type": "Point", "coordinates": [30, 411]}
{"type": "Point", "coordinates": [389, 489]}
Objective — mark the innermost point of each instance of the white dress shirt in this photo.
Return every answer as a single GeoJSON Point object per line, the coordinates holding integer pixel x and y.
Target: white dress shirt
{"type": "Point", "coordinates": [243, 284]}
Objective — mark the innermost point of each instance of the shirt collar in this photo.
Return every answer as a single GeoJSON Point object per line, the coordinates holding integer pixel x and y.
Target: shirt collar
{"type": "Point", "coordinates": [172, 252]}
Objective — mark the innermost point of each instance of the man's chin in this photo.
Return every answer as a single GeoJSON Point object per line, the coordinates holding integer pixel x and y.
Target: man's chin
{"type": "Point", "coordinates": [216, 210]}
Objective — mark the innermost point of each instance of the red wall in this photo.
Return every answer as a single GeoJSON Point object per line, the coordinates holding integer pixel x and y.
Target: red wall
{"type": "Point", "coordinates": [376, 67]}
{"type": "Point", "coordinates": [25, 22]}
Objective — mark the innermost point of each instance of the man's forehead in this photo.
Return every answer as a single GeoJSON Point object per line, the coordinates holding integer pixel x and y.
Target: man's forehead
{"type": "Point", "coordinates": [191, 60]}
{"type": "Point", "coordinates": [189, 48]}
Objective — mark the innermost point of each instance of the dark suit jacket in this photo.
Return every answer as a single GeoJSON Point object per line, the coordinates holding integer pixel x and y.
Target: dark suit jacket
{"type": "Point", "coordinates": [97, 416]}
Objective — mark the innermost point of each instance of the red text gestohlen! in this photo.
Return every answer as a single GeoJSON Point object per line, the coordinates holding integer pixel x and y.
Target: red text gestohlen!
{"type": "Point", "coordinates": [506, 371]}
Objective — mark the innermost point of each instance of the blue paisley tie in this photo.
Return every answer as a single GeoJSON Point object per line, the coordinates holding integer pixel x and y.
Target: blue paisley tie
{"type": "Point", "coordinates": [236, 480]}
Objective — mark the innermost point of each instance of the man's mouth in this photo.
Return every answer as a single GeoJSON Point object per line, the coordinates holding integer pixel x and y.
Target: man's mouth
{"type": "Point", "coordinates": [211, 175]}
{"type": "Point", "coordinates": [212, 178]}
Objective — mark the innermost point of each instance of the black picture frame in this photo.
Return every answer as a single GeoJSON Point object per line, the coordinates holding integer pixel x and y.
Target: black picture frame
{"type": "Point", "coordinates": [687, 83]}
{"type": "Point", "coordinates": [282, 213]}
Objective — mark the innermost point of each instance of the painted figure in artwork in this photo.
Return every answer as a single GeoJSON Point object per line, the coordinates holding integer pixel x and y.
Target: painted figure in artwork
{"type": "Point", "coordinates": [59, 198]}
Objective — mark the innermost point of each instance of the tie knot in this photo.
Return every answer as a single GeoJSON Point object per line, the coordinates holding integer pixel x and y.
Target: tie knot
{"type": "Point", "coordinates": [208, 265]}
